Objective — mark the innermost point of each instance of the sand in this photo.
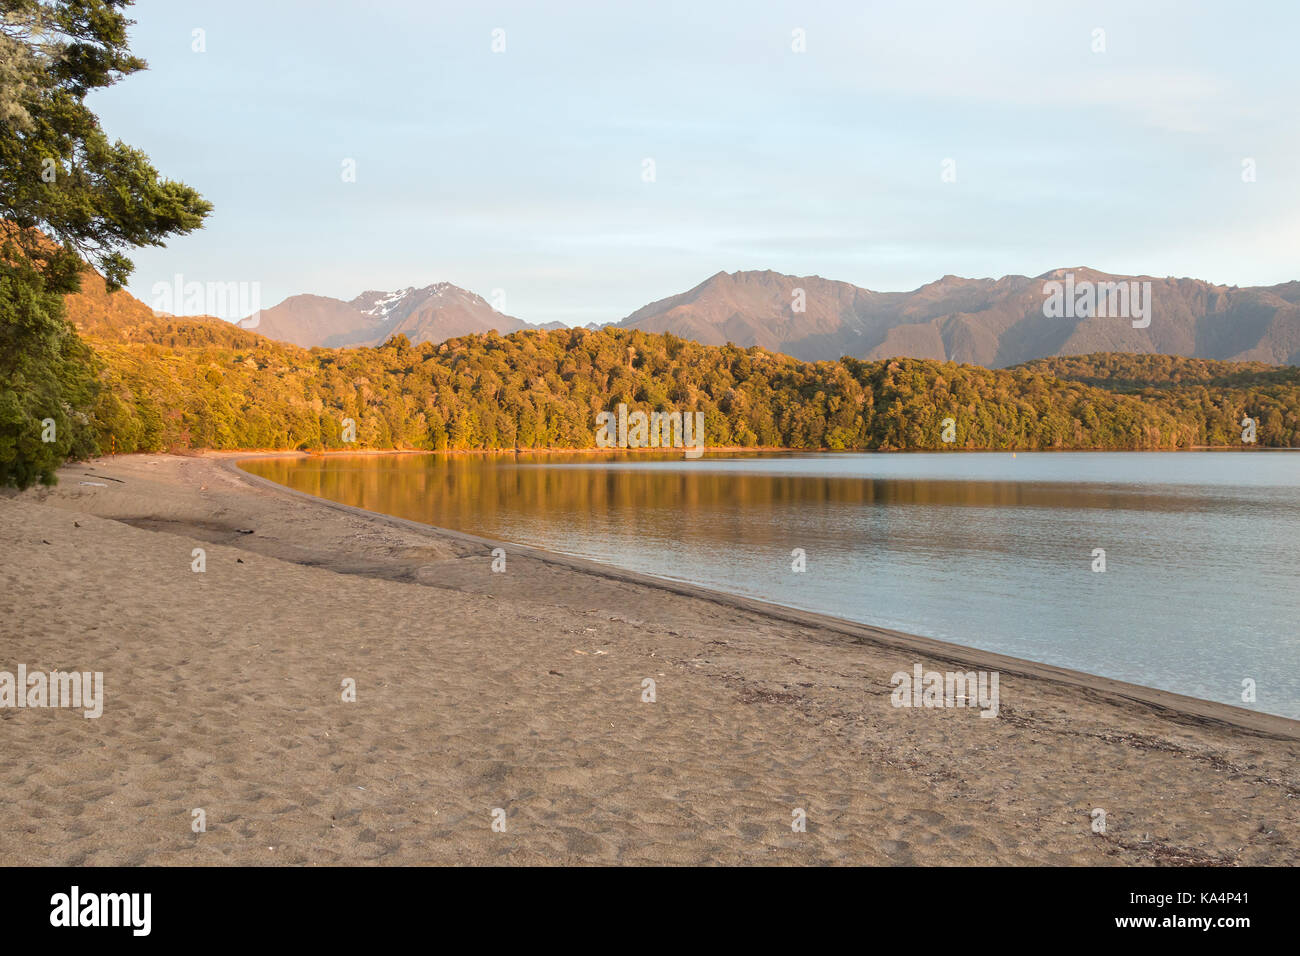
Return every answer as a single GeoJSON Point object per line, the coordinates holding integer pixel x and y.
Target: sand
{"type": "Point", "coordinates": [522, 692]}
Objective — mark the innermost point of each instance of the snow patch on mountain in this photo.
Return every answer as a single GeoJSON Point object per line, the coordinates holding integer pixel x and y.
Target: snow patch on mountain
{"type": "Point", "coordinates": [385, 304]}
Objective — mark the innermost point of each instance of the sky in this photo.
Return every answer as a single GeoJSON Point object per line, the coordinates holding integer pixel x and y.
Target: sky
{"type": "Point", "coordinates": [883, 144]}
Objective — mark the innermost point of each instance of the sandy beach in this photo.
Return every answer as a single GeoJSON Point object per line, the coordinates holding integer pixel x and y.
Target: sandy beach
{"type": "Point", "coordinates": [522, 692]}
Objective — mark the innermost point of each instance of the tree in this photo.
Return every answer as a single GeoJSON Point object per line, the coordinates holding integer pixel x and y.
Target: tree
{"type": "Point", "coordinates": [47, 381]}
{"type": "Point", "coordinates": [68, 196]}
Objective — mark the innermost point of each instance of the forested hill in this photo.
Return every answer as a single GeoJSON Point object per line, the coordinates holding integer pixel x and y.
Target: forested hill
{"type": "Point", "coordinates": [179, 383]}
{"type": "Point", "coordinates": [1127, 371]}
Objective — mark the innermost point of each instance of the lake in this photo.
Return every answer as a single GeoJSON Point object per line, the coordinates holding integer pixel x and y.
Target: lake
{"type": "Point", "coordinates": [991, 550]}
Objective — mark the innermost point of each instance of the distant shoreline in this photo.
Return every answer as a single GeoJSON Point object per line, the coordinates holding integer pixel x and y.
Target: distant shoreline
{"type": "Point", "coordinates": [722, 449]}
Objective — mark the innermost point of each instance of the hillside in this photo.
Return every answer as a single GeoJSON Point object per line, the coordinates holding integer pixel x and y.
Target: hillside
{"type": "Point", "coordinates": [175, 382]}
{"type": "Point", "coordinates": [183, 384]}
{"type": "Point", "coordinates": [1133, 372]}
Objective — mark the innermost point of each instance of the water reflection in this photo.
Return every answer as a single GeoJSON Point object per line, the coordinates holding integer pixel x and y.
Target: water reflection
{"type": "Point", "coordinates": [1202, 550]}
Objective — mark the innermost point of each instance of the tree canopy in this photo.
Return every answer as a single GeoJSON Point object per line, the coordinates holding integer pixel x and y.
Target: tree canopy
{"type": "Point", "coordinates": [177, 384]}
{"type": "Point", "coordinates": [60, 176]}
{"type": "Point", "coordinates": [68, 196]}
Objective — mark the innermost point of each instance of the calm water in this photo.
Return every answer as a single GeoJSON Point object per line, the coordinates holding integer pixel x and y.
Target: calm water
{"type": "Point", "coordinates": [989, 550]}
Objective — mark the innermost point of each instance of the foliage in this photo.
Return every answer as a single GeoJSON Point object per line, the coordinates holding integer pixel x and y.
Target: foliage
{"type": "Point", "coordinates": [47, 380]}
{"type": "Point", "coordinates": [67, 196]}
{"type": "Point", "coordinates": [175, 384]}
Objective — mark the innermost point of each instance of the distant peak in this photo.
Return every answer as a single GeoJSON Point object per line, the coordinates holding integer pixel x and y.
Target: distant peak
{"type": "Point", "coordinates": [763, 273]}
{"type": "Point", "coordinates": [381, 303]}
{"type": "Point", "coordinates": [1070, 270]}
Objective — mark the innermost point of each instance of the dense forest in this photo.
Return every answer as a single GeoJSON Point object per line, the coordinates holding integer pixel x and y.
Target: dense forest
{"type": "Point", "coordinates": [1132, 372]}
{"type": "Point", "coordinates": [205, 384]}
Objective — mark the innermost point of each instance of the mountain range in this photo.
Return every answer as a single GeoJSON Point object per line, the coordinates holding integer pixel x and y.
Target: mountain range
{"type": "Point", "coordinates": [991, 322]}
{"type": "Point", "coordinates": [995, 323]}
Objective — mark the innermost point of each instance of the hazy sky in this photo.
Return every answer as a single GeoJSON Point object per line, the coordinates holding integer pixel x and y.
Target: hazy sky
{"type": "Point", "coordinates": [523, 170]}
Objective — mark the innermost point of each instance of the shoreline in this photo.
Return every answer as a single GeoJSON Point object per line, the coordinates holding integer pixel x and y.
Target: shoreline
{"type": "Point", "coordinates": [944, 651]}
{"type": "Point", "coordinates": [526, 691]}
{"type": "Point", "coordinates": [709, 450]}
